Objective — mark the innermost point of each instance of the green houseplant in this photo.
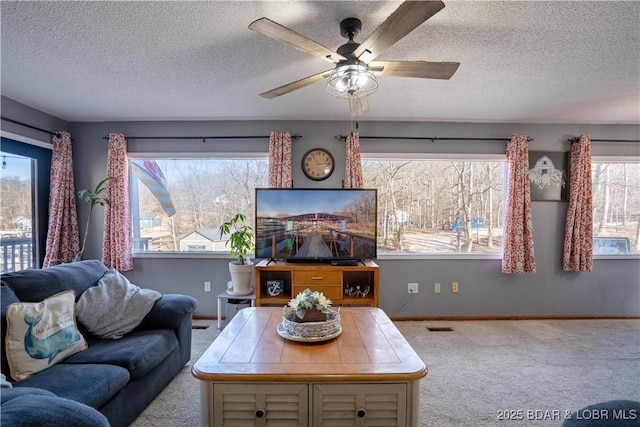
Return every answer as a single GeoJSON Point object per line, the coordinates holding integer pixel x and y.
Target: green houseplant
{"type": "Point", "coordinates": [92, 198]}
{"type": "Point", "coordinates": [241, 242]}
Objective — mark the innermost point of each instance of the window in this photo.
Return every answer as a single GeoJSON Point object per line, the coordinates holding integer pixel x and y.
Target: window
{"type": "Point", "coordinates": [23, 211]}
{"type": "Point", "coordinates": [438, 206]}
{"type": "Point", "coordinates": [178, 204]}
{"type": "Point", "coordinates": [616, 206]}
{"type": "Point", "coordinates": [426, 206]}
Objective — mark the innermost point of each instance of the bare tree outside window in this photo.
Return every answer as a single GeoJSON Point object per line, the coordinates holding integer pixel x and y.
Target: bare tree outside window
{"type": "Point", "coordinates": [438, 206]}
{"type": "Point", "coordinates": [616, 207]}
{"type": "Point", "coordinates": [425, 206]}
{"type": "Point", "coordinates": [204, 192]}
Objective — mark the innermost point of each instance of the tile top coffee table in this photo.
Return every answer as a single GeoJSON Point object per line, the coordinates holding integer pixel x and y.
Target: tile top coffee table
{"type": "Point", "coordinates": [369, 373]}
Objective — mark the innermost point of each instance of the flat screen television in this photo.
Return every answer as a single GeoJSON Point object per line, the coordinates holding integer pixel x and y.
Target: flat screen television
{"type": "Point", "coordinates": [316, 225]}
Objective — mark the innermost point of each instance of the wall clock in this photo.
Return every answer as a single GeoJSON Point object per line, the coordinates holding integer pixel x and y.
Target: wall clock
{"type": "Point", "coordinates": [318, 164]}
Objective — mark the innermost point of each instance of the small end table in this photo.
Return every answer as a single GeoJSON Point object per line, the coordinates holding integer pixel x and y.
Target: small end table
{"type": "Point", "coordinates": [225, 295]}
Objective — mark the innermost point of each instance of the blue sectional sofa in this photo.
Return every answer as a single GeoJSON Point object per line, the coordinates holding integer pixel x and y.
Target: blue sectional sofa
{"type": "Point", "coordinates": [111, 381]}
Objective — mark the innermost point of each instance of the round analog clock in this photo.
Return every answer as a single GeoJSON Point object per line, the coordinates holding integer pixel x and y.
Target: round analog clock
{"type": "Point", "coordinates": [318, 164]}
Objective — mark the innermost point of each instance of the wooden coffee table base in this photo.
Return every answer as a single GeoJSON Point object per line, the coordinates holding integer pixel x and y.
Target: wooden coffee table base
{"type": "Point", "coordinates": [368, 374]}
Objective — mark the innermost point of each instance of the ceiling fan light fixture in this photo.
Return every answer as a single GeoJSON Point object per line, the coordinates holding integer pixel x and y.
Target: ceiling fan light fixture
{"type": "Point", "coordinates": [351, 79]}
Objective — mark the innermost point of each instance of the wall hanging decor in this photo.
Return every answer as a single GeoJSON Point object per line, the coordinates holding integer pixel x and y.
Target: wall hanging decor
{"type": "Point", "coordinates": [549, 175]}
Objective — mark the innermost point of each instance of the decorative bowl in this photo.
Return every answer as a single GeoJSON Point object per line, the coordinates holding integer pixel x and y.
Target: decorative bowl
{"type": "Point", "coordinates": [309, 331]}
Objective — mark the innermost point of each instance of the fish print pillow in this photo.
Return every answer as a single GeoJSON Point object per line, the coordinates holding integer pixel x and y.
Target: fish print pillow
{"type": "Point", "coordinates": [41, 334]}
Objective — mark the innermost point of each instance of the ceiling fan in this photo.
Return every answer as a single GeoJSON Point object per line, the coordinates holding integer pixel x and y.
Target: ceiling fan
{"type": "Point", "coordinates": [353, 61]}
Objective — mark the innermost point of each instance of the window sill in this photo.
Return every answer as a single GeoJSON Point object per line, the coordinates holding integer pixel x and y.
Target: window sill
{"type": "Point", "coordinates": [386, 256]}
{"type": "Point", "coordinates": [183, 255]}
{"type": "Point", "coordinates": [617, 256]}
{"type": "Point", "coordinates": [448, 257]}
{"type": "Point", "coordinates": [383, 257]}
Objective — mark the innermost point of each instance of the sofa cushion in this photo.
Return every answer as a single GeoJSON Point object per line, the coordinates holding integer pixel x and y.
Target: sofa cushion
{"type": "Point", "coordinates": [115, 306]}
{"type": "Point", "coordinates": [7, 297]}
{"type": "Point", "coordinates": [37, 284]}
{"type": "Point", "coordinates": [169, 312]}
{"type": "Point", "coordinates": [92, 385]}
{"type": "Point", "coordinates": [138, 352]}
{"type": "Point", "coordinates": [41, 334]}
{"type": "Point", "coordinates": [12, 393]}
{"type": "Point", "coordinates": [43, 411]}
{"type": "Point", "coordinates": [613, 413]}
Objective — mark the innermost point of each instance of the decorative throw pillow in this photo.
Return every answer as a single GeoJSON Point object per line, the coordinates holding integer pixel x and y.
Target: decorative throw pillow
{"type": "Point", "coordinates": [41, 334]}
{"type": "Point", "coordinates": [115, 306]}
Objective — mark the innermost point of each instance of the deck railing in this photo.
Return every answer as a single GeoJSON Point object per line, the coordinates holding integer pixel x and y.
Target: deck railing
{"type": "Point", "coordinates": [16, 253]}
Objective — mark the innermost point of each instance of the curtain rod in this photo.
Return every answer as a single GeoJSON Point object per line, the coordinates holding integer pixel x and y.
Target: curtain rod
{"type": "Point", "coordinates": [430, 138]}
{"type": "Point", "coordinates": [29, 126]}
{"type": "Point", "coordinates": [204, 138]}
{"type": "Point", "coordinates": [621, 141]}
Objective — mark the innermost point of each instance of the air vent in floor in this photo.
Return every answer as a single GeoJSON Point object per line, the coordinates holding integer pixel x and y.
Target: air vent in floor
{"type": "Point", "coordinates": [439, 329]}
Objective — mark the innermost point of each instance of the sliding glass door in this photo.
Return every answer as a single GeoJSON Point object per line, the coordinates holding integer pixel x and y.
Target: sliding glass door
{"type": "Point", "coordinates": [24, 199]}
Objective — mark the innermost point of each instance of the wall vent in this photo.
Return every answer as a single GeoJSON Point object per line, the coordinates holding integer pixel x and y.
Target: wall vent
{"type": "Point", "coordinates": [199, 326]}
{"type": "Point", "coordinates": [439, 329]}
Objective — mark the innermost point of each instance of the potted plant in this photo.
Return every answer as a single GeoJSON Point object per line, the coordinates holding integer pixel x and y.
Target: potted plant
{"type": "Point", "coordinates": [92, 198]}
{"type": "Point", "coordinates": [240, 240]}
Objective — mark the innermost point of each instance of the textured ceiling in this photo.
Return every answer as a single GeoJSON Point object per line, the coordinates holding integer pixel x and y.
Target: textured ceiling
{"type": "Point", "coordinates": [521, 61]}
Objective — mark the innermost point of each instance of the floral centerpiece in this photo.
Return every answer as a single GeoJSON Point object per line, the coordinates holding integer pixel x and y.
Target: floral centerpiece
{"type": "Point", "coordinates": [307, 318]}
{"type": "Point", "coordinates": [310, 306]}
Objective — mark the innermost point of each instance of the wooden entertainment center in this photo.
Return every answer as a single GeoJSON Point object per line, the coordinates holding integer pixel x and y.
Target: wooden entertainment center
{"type": "Point", "coordinates": [342, 284]}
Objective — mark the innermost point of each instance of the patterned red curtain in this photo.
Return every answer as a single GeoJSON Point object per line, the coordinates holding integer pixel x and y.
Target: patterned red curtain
{"type": "Point", "coordinates": [353, 163]}
{"type": "Point", "coordinates": [517, 246]}
{"type": "Point", "coordinates": [280, 160]}
{"type": "Point", "coordinates": [63, 237]}
{"type": "Point", "coordinates": [578, 232]}
{"type": "Point", "coordinates": [116, 242]}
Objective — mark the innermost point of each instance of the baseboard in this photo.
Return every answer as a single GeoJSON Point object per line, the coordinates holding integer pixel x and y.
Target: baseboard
{"type": "Point", "coordinates": [201, 317]}
{"type": "Point", "coordinates": [470, 318]}
{"type": "Point", "coordinates": [522, 317]}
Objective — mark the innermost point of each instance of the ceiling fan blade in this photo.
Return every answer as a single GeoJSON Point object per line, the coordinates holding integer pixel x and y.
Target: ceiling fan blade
{"type": "Point", "coordinates": [420, 69]}
{"type": "Point", "coordinates": [298, 84]}
{"type": "Point", "coordinates": [279, 32]}
{"type": "Point", "coordinates": [401, 22]}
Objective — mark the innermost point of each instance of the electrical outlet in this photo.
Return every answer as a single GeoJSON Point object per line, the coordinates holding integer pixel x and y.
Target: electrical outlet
{"type": "Point", "coordinates": [207, 286]}
{"type": "Point", "coordinates": [412, 288]}
{"type": "Point", "coordinates": [436, 288]}
{"type": "Point", "coordinates": [454, 287]}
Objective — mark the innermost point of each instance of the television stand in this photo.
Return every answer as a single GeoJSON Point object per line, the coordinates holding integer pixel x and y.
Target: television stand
{"type": "Point", "coordinates": [353, 284]}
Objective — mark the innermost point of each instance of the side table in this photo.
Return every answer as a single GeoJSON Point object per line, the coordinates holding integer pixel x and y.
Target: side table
{"type": "Point", "coordinates": [225, 295]}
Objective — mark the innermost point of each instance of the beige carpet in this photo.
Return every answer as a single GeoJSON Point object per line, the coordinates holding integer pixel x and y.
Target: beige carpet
{"type": "Point", "coordinates": [479, 370]}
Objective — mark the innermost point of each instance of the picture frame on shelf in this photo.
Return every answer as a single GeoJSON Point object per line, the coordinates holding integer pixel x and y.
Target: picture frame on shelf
{"type": "Point", "coordinates": [549, 175]}
{"type": "Point", "coordinates": [275, 288]}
